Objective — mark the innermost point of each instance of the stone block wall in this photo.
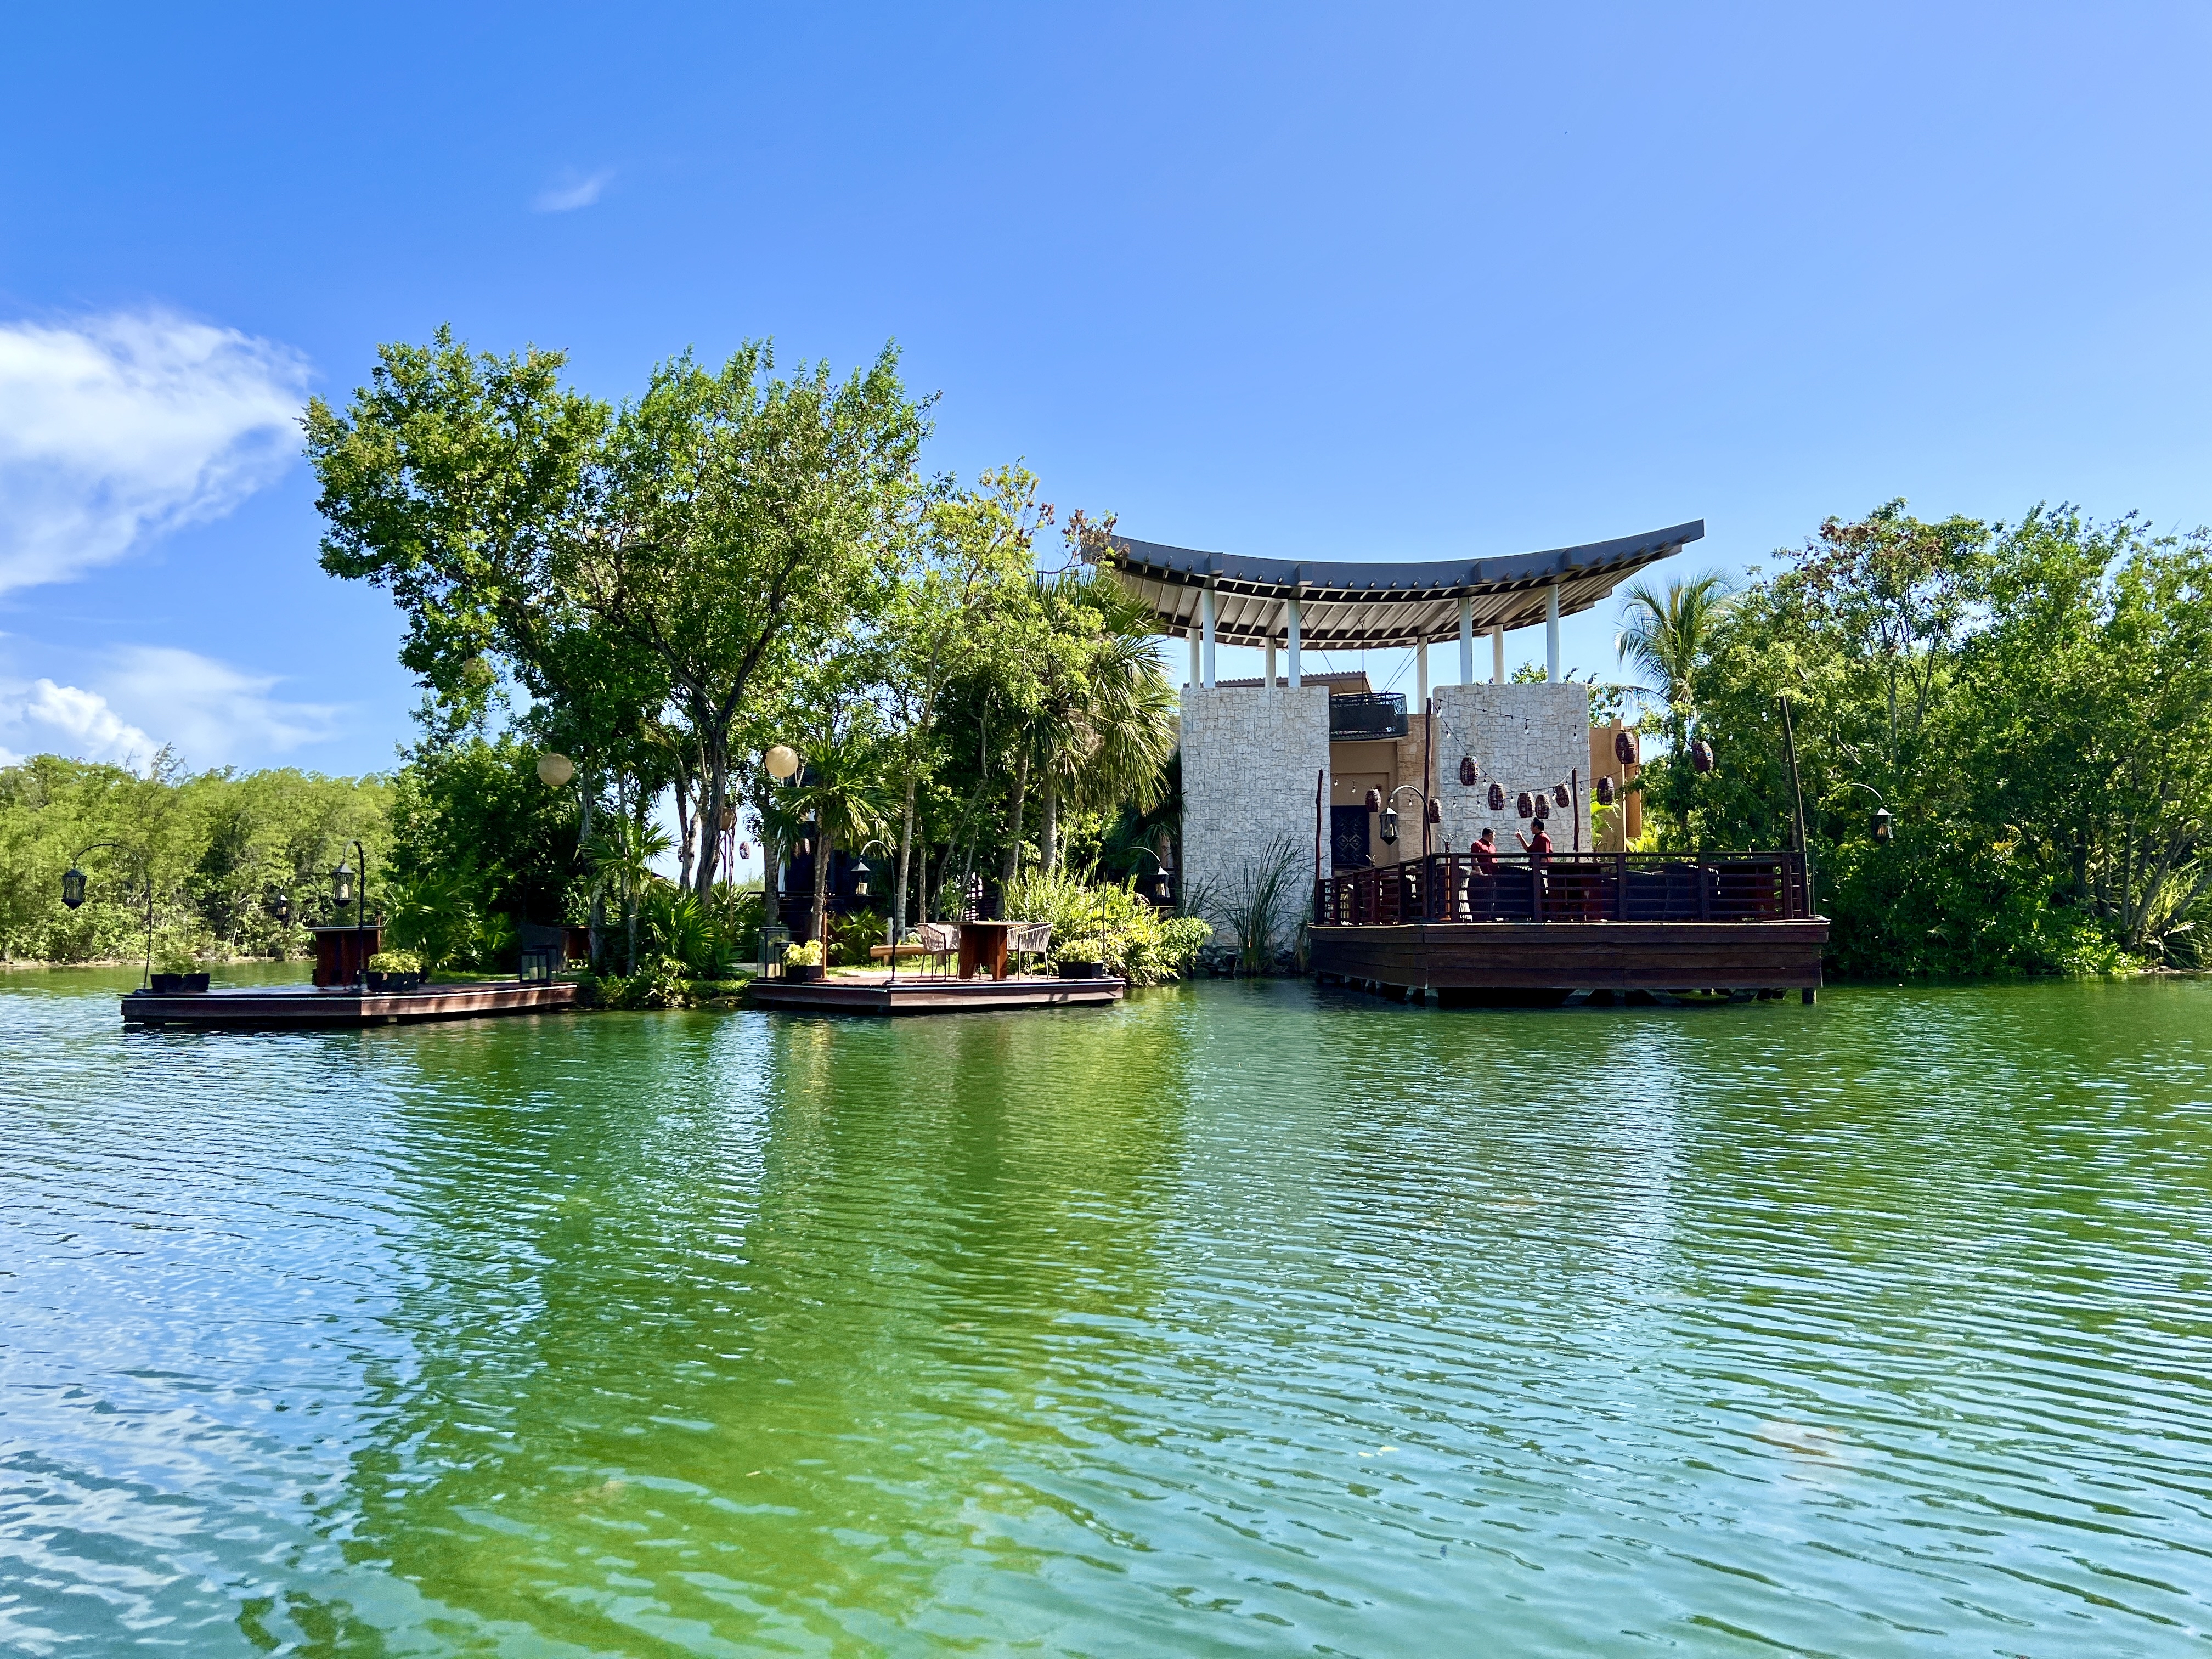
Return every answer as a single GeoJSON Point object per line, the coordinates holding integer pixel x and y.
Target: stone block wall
{"type": "Point", "coordinates": [1526, 736]}
{"type": "Point", "coordinates": [1249, 758]}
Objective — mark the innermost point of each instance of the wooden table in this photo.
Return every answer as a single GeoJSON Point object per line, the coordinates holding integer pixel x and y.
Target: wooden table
{"type": "Point", "coordinates": [983, 948]}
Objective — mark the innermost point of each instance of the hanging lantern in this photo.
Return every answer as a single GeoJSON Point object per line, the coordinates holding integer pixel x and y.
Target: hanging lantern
{"type": "Point", "coordinates": [1469, 773]}
{"type": "Point", "coordinates": [555, 770]}
{"type": "Point", "coordinates": [72, 887]}
{"type": "Point", "coordinates": [1497, 797]}
{"type": "Point", "coordinates": [341, 883]}
{"type": "Point", "coordinates": [1560, 794]}
{"type": "Point", "coordinates": [283, 908]}
{"type": "Point", "coordinates": [1883, 828]}
{"type": "Point", "coordinates": [1543, 804]}
{"type": "Point", "coordinates": [1605, 792]}
{"type": "Point", "coordinates": [782, 763]}
{"type": "Point", "coordinates": [1389, 824]}
{"type": "Point", "coordinates": [1526, 805]}
{"type": "Point", "coordinates": [1623, 748]}
{"type": "Point", "coordinates": [860, 874]}
{"type": "Point", "coordinates": [1701, 755]}
{"type": "Point", "coordinates": [1436, 811]}
{"type": "Point", "coordinates": [744, 851]}
{"type": "Point", "coordinates": [1374, 800]}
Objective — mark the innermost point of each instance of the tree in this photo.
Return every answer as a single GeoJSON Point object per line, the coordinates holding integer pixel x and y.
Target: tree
{"type": "Point", "coordinates": [741, 516]}
{"type": "Point", "coordinates": [1665, 633]}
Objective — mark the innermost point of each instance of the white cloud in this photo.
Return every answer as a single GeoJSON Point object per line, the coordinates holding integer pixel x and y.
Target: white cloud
{"type": "Point", "coordinates": [212, 714]}
{"type": "Point", "coordinates": [118, 427]}
{"type": "Point", "coordinates": [575, 190]}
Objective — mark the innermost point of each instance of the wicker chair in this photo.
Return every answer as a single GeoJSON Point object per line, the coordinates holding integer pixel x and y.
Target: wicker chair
{"type": "Point", "coordinates": [940, 940]}
{"type": "Point", "coordinates": [1028, 938]}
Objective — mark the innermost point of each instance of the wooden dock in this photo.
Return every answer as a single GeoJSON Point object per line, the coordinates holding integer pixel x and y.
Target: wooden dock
{"type": "Point", "coordinates": [278, 1007]}
{"type": "Point", "coordinates": [1605, 921]}
{"type": "Point", "coordinates": [930, 993]}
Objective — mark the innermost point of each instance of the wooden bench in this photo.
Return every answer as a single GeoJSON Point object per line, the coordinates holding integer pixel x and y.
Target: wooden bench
{"type": "Point", "coordinates": [883, 953]}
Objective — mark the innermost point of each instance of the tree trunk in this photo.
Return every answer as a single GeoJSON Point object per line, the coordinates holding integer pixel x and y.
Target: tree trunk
{"type": "Point", "coordinates": [905, 862]}
{"type": "Point", "coordinates": [1048, 828]}
{"type": "Point", "coordinates": [716, 745]}
{"type": "Point", "coordinates": [596, 916]}
{"type": "Point", "coordinates": [1014, 864]}
{"type": "Point", "coordinates": [822, 893]}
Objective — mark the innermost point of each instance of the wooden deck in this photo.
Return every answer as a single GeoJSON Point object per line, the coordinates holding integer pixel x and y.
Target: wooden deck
{"type": "Point", "coordinates": [284, 1006]}
{"type": "Point", "coordinates": [930, 993]}
{"type": "Point", "coordinates": [1608, 922]}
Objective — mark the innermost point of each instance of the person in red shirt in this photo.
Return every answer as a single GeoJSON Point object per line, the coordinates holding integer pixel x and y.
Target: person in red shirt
{"type": "Point", "coordinates": [1540, 848]}
{"type": "Point", "coordinates": [1480, 889]}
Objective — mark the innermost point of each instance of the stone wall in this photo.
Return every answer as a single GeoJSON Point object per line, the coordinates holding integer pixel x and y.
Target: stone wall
{"type": "Point", "coordinates": [1526, 736]}
{"type": "Point", "coordinates": [1250, 758]}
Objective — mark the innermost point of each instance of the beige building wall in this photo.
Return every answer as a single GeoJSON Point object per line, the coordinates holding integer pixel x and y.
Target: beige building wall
{"type": "Point", "coordinates": [1250, 760]}
{"type": "Point", "coordinates": [1526, 736]}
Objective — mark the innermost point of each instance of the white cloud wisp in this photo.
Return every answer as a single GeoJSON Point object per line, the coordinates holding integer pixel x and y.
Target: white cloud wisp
{"type": "Point", "coordinates": [212, 714]}
{"type": "Point", "coordinates": [576, 191]}
{"type": "Point", "coordinates": [118, 428]}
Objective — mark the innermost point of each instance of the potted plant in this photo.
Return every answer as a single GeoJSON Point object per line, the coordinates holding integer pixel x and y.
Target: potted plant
{"type": "Point", "coordinates": [803, 962]}
{"type": "Point", "coordinates": [393, 971]}
{"type": "Point", "coordinates": [1081, 958]}
{"type": "Point", "coordinates": [179, 970]}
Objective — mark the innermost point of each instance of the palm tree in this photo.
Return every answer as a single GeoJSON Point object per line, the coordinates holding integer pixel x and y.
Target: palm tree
{"type": "Point", "coordinates": [1665, 635]}
{"type": "Point", "coordinates": [1108, 728]}
{"type": "Point", "coordinates": [621, 857]}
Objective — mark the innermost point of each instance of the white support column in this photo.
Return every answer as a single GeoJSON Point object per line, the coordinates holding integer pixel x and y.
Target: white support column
{"type": "Point", "coordinates": [1270, 665]}
{"type": "Point", "coordinates": [1497, 654]}
{"type": "Point", "coordinates": [1421, 670]}
{"type": "Point", "coordinates": [1195, 681]}
{"type": "Point", "coordinates": [1552, 632]}
{"type": "Point", "coordinates": [1467, 639]}
{"type": "Point", "coordinates": [1294, 642]}
{"type": "Point", "coordinates": [1206, 620]}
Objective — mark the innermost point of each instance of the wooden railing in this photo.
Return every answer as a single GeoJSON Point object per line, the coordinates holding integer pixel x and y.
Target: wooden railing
{"type": "Point", "coordinates": [1569, 887]}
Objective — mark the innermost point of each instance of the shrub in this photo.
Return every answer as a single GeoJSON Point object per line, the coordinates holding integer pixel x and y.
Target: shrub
{"type": "Point", "coordinates": [1081, 950]}
{"type": "Point", "coordinates": [395, 962]}
{"type": "Point", "coordinates": [805, 954]}
{"type": "Point", "coordinates": [1134, 941]}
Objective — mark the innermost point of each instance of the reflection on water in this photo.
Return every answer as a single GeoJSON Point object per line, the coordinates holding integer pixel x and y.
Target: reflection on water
{"type": "Point", "coordinates": [1239, 1318]}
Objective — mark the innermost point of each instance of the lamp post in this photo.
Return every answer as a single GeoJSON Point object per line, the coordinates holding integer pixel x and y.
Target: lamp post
{"type": "Point", "coordinates": [862, 873]}
{"type": "Point", "coordinates": [1432, 812]}
{"type": "Point", "coordinates": [342, 892]}
{"type": "Point", "coordinates": [73, 893]}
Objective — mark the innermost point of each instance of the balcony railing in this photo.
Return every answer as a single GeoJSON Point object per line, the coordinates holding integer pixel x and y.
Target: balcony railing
{"type": "Point", "coordinates": [1367, 715]}
{"type": "Point", "coordinates": [1569, 887]}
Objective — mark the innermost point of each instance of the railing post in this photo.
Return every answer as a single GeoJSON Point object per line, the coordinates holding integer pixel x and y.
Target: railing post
{"type": "Point", "coordinates": [1705, 892]}
{"type": "Point", "coordinates": [1620, 887]}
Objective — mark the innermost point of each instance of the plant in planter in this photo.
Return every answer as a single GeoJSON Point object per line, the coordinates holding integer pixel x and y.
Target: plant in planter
{"type": "Point", "coordinates": [803, 961]}
{"type": "Point", "coordinates": [1081, 958]}
{"type": "Point", "coordinates": [175, 967]}
{"type": "Point", "coordinates": [394, 970]}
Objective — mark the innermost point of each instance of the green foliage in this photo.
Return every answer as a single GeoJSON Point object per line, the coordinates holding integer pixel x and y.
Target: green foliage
{"type": "Point", "coordinates": [221, 849]}
{"type": "Point", "coordinates": [478, 805]}
{"type": "Point", "coordinates": [2028, 700]}
{"type": "Point", "coordinates": [434, 915]}
{"type": "Point", "coordinates": [1133, 938]}
{"type": "Point", "coordinates": [807, 953]}
{"type": "Point", "coordinates": [396, 962]}
{"type": "Point", "coordinates": [1262, 904]}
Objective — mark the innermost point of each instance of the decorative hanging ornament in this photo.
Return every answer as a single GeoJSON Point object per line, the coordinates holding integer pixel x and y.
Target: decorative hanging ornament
{"type": "Point", "coordinates": [1497, 797]}
{"type": "Point", "coordinates": [1526, 806]}
{"type": "Point", "coordinates": [1605, 792]}
{"type": "Point", "coordinates": [1701, 755]}
{"type": "Point", "coordinates": [1543, 804]}
{"type": "Point", "coordinates": [1374, 800]}
{"type": "Point", "coordinates": [744, 851]}
{"type": "Point", "coordinates": [781, 761]}
{"type": "Point", "coordinates": [1436, 811]}
{"type": "Point", "coordinates": [1469, 773]}
{"type": "Point", "coordinates": [1623, 748]}
{"type": "Point", "coordinates": [1560, 794]}
{"type": "Point", "coordinates": [554, 770]}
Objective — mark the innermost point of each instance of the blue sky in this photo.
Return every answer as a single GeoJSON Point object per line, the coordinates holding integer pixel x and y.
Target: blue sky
{"type": "Point", "coordinates": [1312, 281]}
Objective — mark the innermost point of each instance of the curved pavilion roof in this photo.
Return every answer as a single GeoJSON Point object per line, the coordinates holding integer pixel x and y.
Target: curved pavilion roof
{"type": "Point", "coordinates": [1351, 605]}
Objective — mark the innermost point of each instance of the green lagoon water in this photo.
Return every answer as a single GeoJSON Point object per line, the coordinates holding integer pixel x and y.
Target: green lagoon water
{"type": "Point", "coordinates": [1241, 1319]}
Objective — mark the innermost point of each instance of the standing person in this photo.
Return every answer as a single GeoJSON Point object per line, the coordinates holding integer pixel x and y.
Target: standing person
{"type": "Point", "coordinates": [1482, 878]}
{"type": "Point", "coordinates": [1538, 851]}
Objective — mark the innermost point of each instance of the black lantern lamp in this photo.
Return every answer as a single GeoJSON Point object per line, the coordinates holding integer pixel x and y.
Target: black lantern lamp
{"type": "Point", "coordinates": [342, 883]}
{"type": "Point", "coordinates": [1436, 814]}
{"type": "Point", "coordinates": [860, 874]}
{"type": "Point", "coordinates": [72, 887]}
{"type": "Point", "coordinates": [1158, 889]}
{"type": "Point", "coordinates": [282, 910]}
{"type": "Point", "coordinates": [1391, 826]}
{"type": "Point", "coordinates": [1883, 826]}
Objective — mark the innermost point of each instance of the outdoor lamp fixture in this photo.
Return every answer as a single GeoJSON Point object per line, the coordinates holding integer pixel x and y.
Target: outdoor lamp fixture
{"type": "Point", "coordinates": [342, 883]}
{"type": "Point", "coordinates": [555, 770]}
{"type": "Point", "coordinates": [860, 874]}
{"type": "Point", "coordinates": [1884, 827]}
{"type": "Point", "coordinates": [342, 890]}
{"type": "Point", "coordinates": [73, 891]}
{"type": "Point", "coordinates": [282, 910]}
{"type": "Point", "coordinates": [782, 763]}
{"type": "Point", "coordinates": [1701, 755]}
{"type": "Point", "coordinates": [1390, 825]}
{"type": "Point", "coordinates": [1605, 792]}
{"type": "Point", "coordinates": [1161, 874]}
{"type": "Point", "coordinates": [1469, 773]}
